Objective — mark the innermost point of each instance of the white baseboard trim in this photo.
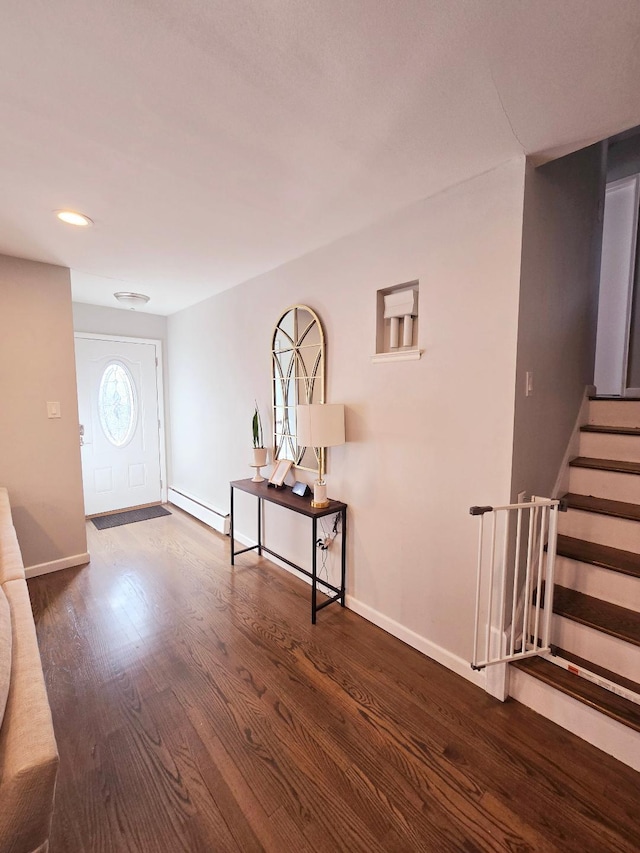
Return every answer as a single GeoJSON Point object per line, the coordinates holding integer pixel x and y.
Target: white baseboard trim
{"type": "Point", "coordinates": [57, 565]}
{"type": "Point", "coordinates": [416, 641]}
{"type": "Point", "coordinates": [204, 512]}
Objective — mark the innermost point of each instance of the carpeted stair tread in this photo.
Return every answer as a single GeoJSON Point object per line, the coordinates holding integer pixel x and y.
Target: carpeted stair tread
{"type": "Point", "coordinates": [622, 710]}
{"type": "Point", "coordinates": [596, 669]}
{"type": "Point", "coordinates": [603, 506]}
{"type": "Point", "coordinates": [610, 430]}
{"type": "Point", "coordinates": [595, 554]}
{"type": "Point", "coordinates": [617, 465]}
{"type": "Point", "coordinates": [594, 613]}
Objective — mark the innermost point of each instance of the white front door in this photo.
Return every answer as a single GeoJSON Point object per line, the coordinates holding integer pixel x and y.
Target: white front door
{"type": "Point", "coordinates": [119, 422]}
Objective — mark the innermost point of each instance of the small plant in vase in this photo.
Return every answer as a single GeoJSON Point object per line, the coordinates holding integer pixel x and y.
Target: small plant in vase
{"type": "Point", "coordinates": [259, 450]}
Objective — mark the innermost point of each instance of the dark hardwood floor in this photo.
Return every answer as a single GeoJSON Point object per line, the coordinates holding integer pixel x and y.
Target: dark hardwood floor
{"type": "Point", "coordinates": [197, 709]}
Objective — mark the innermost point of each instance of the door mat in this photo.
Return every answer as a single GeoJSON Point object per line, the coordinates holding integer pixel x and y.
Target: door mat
{"type": "Point", "coordinates": [102, 522]}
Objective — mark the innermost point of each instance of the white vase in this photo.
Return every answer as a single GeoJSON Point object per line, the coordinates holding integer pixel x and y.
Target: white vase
{"type": "Point", "coordinates": [260, 456]}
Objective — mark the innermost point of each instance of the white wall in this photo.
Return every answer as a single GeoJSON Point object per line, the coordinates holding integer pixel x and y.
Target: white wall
{"type": "Point", "coordinates": [426, 439]}
{"type": "Point", "coordinates": [40, 457]}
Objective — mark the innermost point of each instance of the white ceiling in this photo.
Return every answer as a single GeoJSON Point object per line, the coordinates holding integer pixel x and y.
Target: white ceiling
{"type": "Point", "coordinates": [212, 140]}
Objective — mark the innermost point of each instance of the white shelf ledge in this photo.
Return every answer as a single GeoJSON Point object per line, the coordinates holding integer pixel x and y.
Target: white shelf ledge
{"type": "Point", "coordinates": [400, 355]}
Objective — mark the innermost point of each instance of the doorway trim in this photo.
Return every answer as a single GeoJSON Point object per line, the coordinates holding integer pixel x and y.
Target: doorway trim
{"type": "Point", "coordinates": [623, 269]}
{"type": "Point", "coordinates": [157, 343]}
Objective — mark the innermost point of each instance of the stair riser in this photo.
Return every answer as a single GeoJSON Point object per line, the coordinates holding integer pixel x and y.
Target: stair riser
{"type": "Point", "coordinates": [585, 722]}
{"type": "Point", "coordinates": [614, 413]}
{"type": "Point", "coordinates": [609, 652]}
{"type": "Point", "coordinates": [602, 445]}
{"type": "Point", "coordinates": [604, 584]}
{"type": "Point", "coordinates": [603, 529]}
{"type": "Point", "coordinates": [605, 484]}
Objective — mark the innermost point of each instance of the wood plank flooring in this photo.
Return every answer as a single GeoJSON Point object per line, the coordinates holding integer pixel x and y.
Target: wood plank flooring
{"type": "Point", "coordinates": [197, 709]}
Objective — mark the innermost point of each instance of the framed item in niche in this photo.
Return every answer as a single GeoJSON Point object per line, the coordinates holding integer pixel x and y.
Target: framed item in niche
{"type": "Point", "coordinates": [280, 472]}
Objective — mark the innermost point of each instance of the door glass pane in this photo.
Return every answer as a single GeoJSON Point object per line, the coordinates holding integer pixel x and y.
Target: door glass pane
{"type": "Point", "coordinates": [117, 404]}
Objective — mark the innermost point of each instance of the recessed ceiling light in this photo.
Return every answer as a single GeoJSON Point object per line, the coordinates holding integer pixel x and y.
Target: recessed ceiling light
{"type": "Point", "coordinates": [132, 300]}
{"type": "Point", "coordinates": [71, 217]}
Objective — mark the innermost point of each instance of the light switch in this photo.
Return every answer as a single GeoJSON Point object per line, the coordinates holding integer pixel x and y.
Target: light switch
{"type": "Point", "coordinates": [53, 410]}
{"type": "Point", "coordinates": [529, 384]}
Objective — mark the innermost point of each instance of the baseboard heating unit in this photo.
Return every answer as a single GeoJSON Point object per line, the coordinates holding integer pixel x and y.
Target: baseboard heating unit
{"type": "Point", "coordinates": [204, 512]}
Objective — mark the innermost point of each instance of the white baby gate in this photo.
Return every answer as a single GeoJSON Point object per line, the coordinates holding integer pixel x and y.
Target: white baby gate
{"type": "Point", "coordinates": [514, 586]}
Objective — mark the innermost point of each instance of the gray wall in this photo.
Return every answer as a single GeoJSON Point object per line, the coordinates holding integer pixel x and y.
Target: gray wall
{"type": "Point", "coordinates": [633, 373]}
{"type": "Point", "coordinates": [561, 243]}
{"type": "Point", "coordinates": [118, 321]}
{"type": "Point", "coordinates": [39, 456]}
{"type": "Point", "coordinates": [623, 158]}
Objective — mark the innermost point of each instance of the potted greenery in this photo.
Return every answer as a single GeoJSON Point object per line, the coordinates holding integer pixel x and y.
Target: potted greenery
{"type": "Point", "coordinates": [259, 450]}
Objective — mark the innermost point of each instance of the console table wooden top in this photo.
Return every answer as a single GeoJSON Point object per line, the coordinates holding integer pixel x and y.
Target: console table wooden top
{"type": "Point", "coordinates": [285, 497]}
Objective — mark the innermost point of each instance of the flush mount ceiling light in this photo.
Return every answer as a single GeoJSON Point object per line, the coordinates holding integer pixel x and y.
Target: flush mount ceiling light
{"type": "Point", "coordinates": [71, 217]}
{"type": "Point", "coordinates": [132, 300]}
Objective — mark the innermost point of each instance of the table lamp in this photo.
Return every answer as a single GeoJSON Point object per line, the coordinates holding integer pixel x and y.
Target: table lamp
{"type": "Point", "coordinates": [320, 425]}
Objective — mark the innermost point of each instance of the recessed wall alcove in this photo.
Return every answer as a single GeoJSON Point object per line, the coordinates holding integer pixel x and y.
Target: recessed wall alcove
{"type": "Point", "coordinates": [397, 323]}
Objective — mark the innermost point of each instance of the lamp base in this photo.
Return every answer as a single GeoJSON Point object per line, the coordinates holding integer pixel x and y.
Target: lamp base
{"type": "Point", "coordinates": [320, 499]}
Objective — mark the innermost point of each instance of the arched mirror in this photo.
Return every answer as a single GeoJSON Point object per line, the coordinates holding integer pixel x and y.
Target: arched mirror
{"type": "Point", "coordinates": [298, 378]}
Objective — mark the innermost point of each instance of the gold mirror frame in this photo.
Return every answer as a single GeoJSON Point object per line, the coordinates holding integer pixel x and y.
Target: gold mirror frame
{"type": "Point", "coordinates": [297, 372]}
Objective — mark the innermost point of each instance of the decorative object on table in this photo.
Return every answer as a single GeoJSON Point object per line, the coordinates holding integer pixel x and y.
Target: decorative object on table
{"type": "Point", "coordinates": [259, 450]}
{"type": "Point", "coordinates": [300, 489]}
{"type": "Point", "coordinates": [298, 358]}
{"type": "Point", "coordinates": [279, 473]}
{"type": "Point", "coordinates": [320, 425]}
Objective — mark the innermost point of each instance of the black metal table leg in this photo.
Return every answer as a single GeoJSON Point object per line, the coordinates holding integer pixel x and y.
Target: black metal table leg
{"type": "Point", "coordinates": [314, 576]}
{"type": "Point", "coordinates": [233, 544]}
{"type": "Point", "coordinates": [259, 527]}
{"type": "Point", "coordinates": [344, 556]}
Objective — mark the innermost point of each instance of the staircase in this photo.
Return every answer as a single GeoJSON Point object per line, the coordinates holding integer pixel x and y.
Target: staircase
{"type": "Point", "coordinates": [592, 686]}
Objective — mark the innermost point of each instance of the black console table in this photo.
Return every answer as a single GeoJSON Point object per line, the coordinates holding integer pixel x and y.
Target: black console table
{"type": "Point", "coordinates": [285, 498]}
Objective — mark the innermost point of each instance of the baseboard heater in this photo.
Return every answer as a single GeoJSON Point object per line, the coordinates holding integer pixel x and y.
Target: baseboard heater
{"type": "Point", "coordinates": [198, 509]}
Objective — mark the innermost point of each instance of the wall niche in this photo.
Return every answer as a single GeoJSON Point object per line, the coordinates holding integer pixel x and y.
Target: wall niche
{"type": "Point", "coordinates": [397, 323]}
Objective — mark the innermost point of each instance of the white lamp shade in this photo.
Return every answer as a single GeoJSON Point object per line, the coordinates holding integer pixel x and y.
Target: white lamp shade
{"type": "Point", "coordinates": [320, 425]}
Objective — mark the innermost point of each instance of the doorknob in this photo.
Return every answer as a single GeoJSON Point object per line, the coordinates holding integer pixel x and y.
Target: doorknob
{"type": "Point", "coordinates": [81, 434]}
